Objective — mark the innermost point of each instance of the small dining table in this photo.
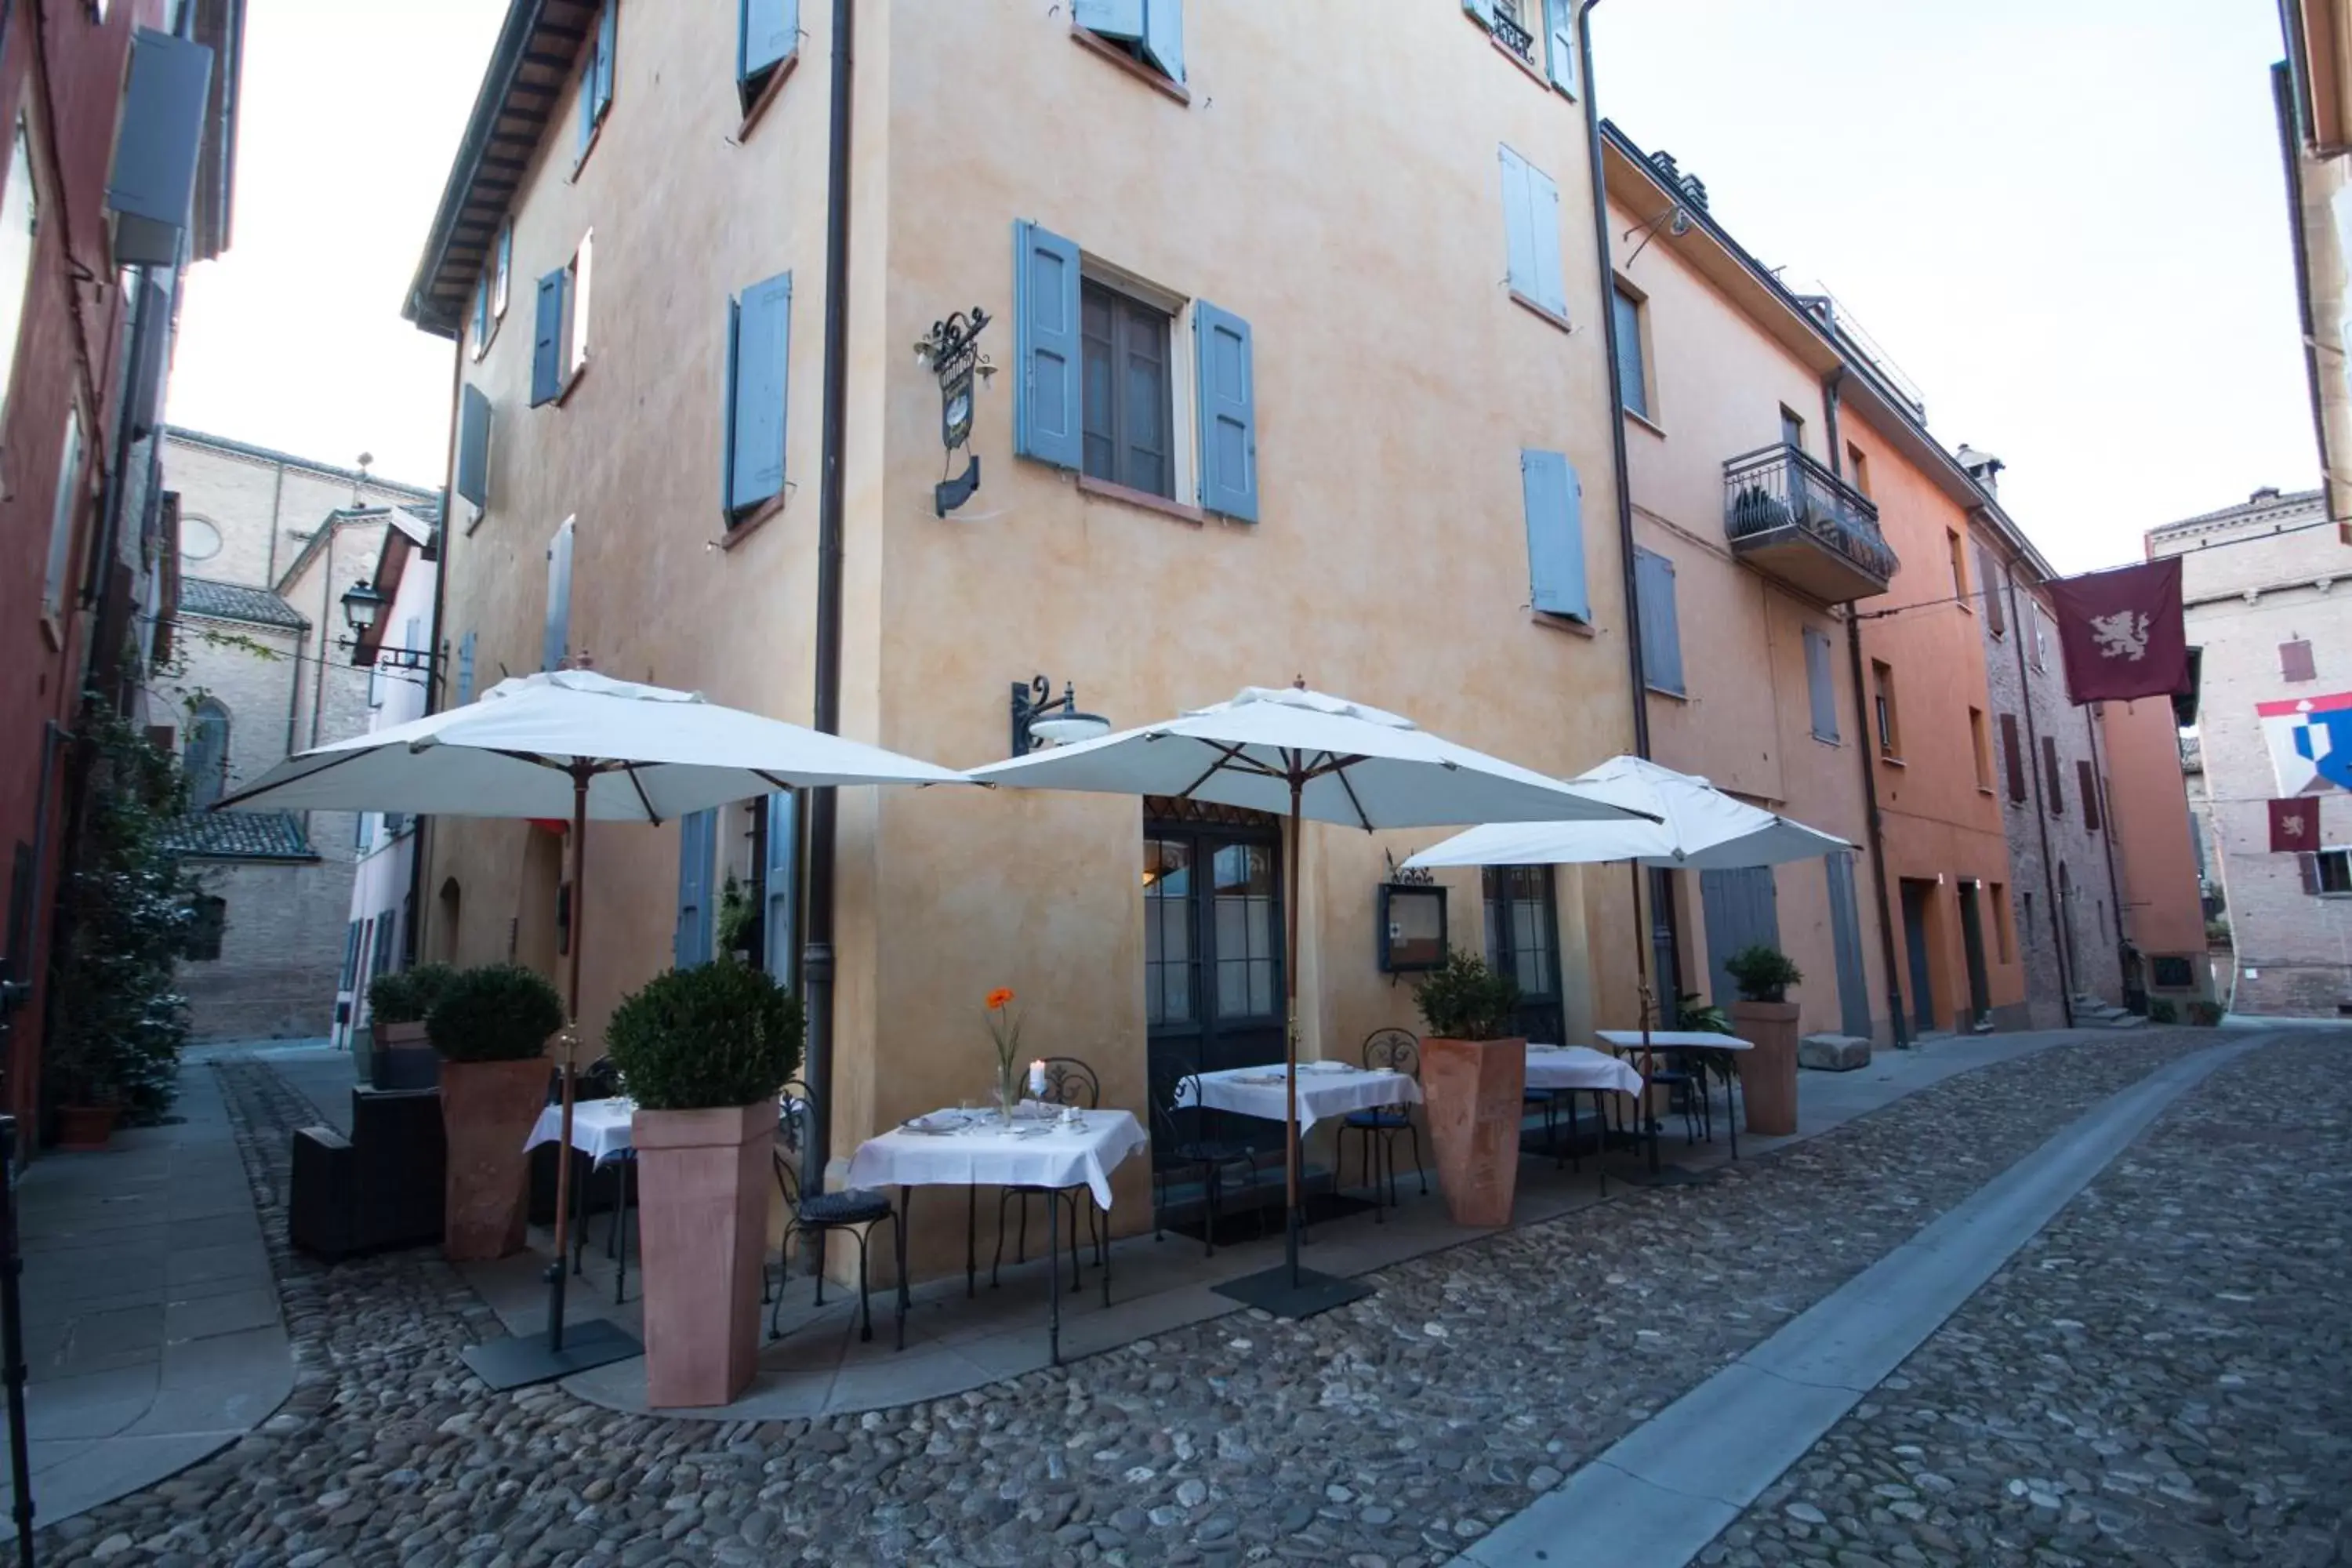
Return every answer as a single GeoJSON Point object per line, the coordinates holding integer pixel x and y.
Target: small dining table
{"type": "Point", "coordinates": [601, 1130]}
{"type": "Point", "coordinates": [982, 1148]}
{"type": "Point", "coordinates": [1573, 1071]}
{"type": "Point", "coordinates": [1326, 1089]}
{"type": "Point", "coordinates": [1633, 1040]}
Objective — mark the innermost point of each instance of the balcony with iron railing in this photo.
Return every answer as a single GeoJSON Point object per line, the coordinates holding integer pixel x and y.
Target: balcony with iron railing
{"type": "Point", "coordinates": [1789, 517]}
{"type": "Point", "coordinates": [1513, 34]}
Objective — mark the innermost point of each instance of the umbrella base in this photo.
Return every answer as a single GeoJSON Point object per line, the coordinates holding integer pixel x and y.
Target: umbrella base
{"type": "Point", "coordinates": [1671, 1176]}
{"type": "Point", "coordinates": [1279, 1292]}
{"type": "Point", "coordinates": [519, 1360]}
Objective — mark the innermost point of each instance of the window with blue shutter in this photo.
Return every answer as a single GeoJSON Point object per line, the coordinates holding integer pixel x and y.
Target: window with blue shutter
{"type": "Point", "coordinates": [465, 670]}
{"type": "Point", "coordinates": [759, 341]}
{"type": "Point", "coordinates": [780, 889]}
{"type": "Point", "coordinates": [768, 33]}
{"type": "Point", "coordinates": [1554, 499]}
{"type": "Point", "coordinates": [474, 445]}
{"type": "Point", "coordinates": [1228, 413]}
{"type": "Point", "coordinates": [597, 75]}
{"type": "Point", "coordinates": [547, 340]}
{"type": "Point", "coordinates": [502, 270]}
{"type": "Point", "coordinates": [1559, 21]}
{"type": "Point", "coordinates": [481, 330]}
{"type": "Point", "coordinates": [1633, 374]}
{"type": "Point", "coordinates": [1661, 637]}
{"type": "Point", "coordinates": [1821, 684]}
{"type": "Point", "coordinates": [1531, 233]}
{"type": "Point", "coordinates": [1150, 30]}
{"type": "Point", "coordinates": [698, 836]}
{"type": "Point", "coordinates": [150, 187]}
{"type": "Point", "coordinates": [557, 640]}
{"type": "Point", "coordinates": [1046, 383]}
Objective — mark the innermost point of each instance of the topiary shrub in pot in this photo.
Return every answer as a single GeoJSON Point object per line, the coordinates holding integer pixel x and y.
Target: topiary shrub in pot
{"type": "Point", "coordinates": [1767, 1021]}
{"type": "Point", "coordinates": [703, 1051]}
{"type": "Point", "coordinates": [491, 1027]}
{"type": "Point", "coordinates": [400, 1054]}
{"type": "Point", "coordinates": [1474, 1076]}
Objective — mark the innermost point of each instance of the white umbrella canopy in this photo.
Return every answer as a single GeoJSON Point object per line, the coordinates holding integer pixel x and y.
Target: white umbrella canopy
{"type": "Point", "coordinates": [1305, 754]}
{"type": "Point", "coordinates": [1356, 764]}
{"type": "Point", "coordinates": [1700, 828]}
{"type": "Point", "coordinates": [653, 754]}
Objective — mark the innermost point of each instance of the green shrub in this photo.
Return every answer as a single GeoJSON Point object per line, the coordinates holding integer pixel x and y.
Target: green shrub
{"type": "Point", "coordinates": [1692, 1012]}
{"type": "Point", "coordinates": [717, 1035]}
{"type": "Point", "coordinates": [1763, 973]}
{"type": "Point", "coordinates": [500, 1012]}
{"type": "Point", "coordinates": [407, 996]}
{"type": "Point", "coordinates": [1462, 999]}
{"type": "Point", "coordinates": [2160, 1010]}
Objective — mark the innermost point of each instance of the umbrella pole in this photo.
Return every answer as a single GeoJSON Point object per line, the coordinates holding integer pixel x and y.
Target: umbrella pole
{"type": "Point", "coordinates": [1290, 1035]}
{"type": "Point", "coordinates": [1642, 999]}
{"type": "Point", "coordinates": [571, 1040]}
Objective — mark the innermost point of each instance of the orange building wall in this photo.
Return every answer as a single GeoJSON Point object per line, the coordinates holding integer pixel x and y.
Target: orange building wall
{"type": "Point", "coordinates": [1940, 824]}
{"type": "Point", "coordinates": [2147, 811]}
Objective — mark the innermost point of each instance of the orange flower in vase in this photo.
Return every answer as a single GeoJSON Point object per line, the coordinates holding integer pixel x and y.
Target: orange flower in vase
{"type": "Point", "coordinates": [1004, 1033]}
{"type": "Point", "coordinates": [999, 997]}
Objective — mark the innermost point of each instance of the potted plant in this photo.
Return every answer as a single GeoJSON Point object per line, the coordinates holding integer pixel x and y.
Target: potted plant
{"type": "Point", "coordinates": [1767, 1020]}
{"type": "Point", "coordinates": [400, 1055]}
{"type": "Point", "coordinates": [703, 1051]}
{"type": "Point", "coordinates": [491, 1026]}
{"type": "Point", "coordinates": [1474, 1076]}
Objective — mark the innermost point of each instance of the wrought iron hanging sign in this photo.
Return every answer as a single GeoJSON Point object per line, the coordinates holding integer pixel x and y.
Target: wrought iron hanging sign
{"type": "Point", "coordinates": [952, 348]}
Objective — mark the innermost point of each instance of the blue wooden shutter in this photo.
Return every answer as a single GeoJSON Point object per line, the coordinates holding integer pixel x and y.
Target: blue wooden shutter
{"type": "Point", "coordinates": [1742, 909]}
{"type": "Point", "coordinates": [1482, 9]}
{"type": "Point", "coordinates": [465, 670]}
{"type": "Point", "coordinates": [151, 186]}
{"type": "Point", "coordinates": [1120, 19]}
{"type": "Point", "coordinates": [474, 445]}
{"type": "Point", "coordinates": [768, 31]}
{"type": "Point", "coordinates": [1821, 684]}
{"type": "Point", "coordinates": [1662, 637]}
{"type": "Point", "coordinates": [1551, 288]}
{"type": "Point", "coordinates": [504, 269]}
{"type": "Point", "coordinates": [547, 341]}
{"type": "Point", "coordinates": [1845, 932]}
{"type": "Point", "coordinates": [780, 888]}
{"type": "Point", "coordinates": [1633, 381]}
{"type": "Point", "coordinates": [1163, 36]}
{"type": "Point", "coordinates": [607, 33]}
{"type": "Point", "coordinates": [1518, 225]}
{"type": "Point", "coordinates": [758, 349]}
{"type": "Point", "coordinates": [557, 640]}
{"type": "Point", "coordinates": [1559, 19]}
{"type": "Point", "coordinates": [1047, 382]}
{"type": "Point", "coordinates": [482, 313]}
{"type": "Point", "coordinates": [1554, 498]}
{"type": "Point", "coordinates": [697, 840]}
{"type": "Point", "coordinates": [1220, 342]}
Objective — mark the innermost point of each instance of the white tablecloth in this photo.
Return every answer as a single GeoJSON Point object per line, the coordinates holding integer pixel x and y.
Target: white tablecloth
{"type": "Point", "coordinates": [1670, 1039]}
{"type": "Point", "coordinates": [984, 1155]}
{"type": "Point", "coordinates": [1579, 1067]}
{"type": "Point", "coordinates": [600, 1128]}
{"type": "Point", "coordinates": [1259, 1092]}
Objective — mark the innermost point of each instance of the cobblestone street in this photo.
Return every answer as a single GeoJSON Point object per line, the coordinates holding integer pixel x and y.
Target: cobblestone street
{"type": "Point", "coordinates": [2158, 1379]}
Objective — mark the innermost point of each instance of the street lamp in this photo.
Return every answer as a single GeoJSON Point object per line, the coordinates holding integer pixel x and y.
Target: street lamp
{"type": "Point", "coordinates": [1037, 722]}
{"type": "Point", "coordinates": [364, 605]}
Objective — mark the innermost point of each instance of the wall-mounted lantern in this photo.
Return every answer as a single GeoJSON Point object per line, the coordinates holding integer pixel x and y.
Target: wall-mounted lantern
{"type": "Point", "coordinates": [1038, 720]}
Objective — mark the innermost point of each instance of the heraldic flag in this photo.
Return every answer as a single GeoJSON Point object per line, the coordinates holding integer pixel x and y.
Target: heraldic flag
{"type": "Point", "coordinates": [2122, 634]}
{"type": "Point", "coordinates": [2294, 826]}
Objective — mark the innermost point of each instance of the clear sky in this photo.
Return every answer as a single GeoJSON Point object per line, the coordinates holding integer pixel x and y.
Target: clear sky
{"type": "Point", "coordinates": [2064, 219]}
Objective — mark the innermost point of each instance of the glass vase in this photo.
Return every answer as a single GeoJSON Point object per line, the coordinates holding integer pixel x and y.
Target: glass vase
{"type": "Point", "coordinates": [1008, 1093]}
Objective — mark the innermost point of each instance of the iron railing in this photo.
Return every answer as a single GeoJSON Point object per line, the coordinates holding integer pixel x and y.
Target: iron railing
{"type": "Point", "coordinates": [1511, 34]}
{"type": "Point", "coordinates": [1780, 487]}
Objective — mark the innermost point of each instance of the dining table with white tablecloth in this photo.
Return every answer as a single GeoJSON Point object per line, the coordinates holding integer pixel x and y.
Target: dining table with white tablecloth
{"type": "Point", "coordinates": [1579, 1067]}
{"type": "Point", "coordinates": [1326, 1090]}
{"type": "Point", "coordinates": [1633, 1042]}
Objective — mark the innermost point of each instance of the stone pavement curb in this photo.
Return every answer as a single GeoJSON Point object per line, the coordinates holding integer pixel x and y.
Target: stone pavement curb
{"type": "Point", "coordinates": [1657, 1498]}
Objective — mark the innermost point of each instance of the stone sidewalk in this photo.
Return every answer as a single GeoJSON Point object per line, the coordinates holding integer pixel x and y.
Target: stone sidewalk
{"type": "Point", "coordinates": [151, 1327]}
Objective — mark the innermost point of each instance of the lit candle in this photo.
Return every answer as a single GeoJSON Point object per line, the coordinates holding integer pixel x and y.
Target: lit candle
{"type": "Point", "coordinates": [1037, 1076]}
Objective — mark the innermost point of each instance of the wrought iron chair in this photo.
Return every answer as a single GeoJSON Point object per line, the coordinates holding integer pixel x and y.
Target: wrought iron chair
{"type": "Point", "coordinates": [854, 1212]}
{"type": "Point", "coordinates": [1377, 1129]}
{"type": "Point", "coordinates": [1202, 1154]}
{"type": "Point", "coordinates": [1068, 1081]}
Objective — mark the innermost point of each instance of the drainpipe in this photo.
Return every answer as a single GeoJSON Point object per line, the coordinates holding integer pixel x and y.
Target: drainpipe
{"type": "Point", "coordinates": [1616, 394]}
{"type": "Point", "coordinates": [816, 954]}
{"type": "Point", "coordinates": [1874, 830]}
{"type": "Point", "coordinates": [2041, 811]}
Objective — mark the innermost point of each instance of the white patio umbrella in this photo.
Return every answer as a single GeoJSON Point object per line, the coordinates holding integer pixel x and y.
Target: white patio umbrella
{"type": "Point", "coordinates": [1697, 829]}
{"type": "Point", "coordinates": [1310, 755]}
{"type": "Point", "coordinates": [572, 744]}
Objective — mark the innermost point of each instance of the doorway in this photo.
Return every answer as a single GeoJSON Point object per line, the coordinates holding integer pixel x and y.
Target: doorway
{"type": "Point", "coordinates": [2067, 928]}
{"type": "Point", "coordinates": [1972, 944]}
{"type": "Point", "coordinates": [1523, 944]}
{"type": "Point", "coordinates": [1212, 936]}
{"type": "Point", "coordinates": [1919, 906]}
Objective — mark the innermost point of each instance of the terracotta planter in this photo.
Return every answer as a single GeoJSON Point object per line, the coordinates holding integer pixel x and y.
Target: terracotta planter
{"type": "Point", "coordinates": [1767, 1075]}
{"type": "Point", "coordinates": [85, 1127]}
{"type": "Point", "coordinates": [486, 1111]}
{"type": "Point", "coordinates": [400, 1057]}
{"type": "Point", "coordinates": [1474, 1091]}
{"type": "Point", "coordinates": [703, 1186]}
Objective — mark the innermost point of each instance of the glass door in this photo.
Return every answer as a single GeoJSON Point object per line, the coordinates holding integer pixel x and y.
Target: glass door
{"type": "Point", "coordinates": [1213, 954]}
{"type": "Point", "coordinates": [1523, 942]}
